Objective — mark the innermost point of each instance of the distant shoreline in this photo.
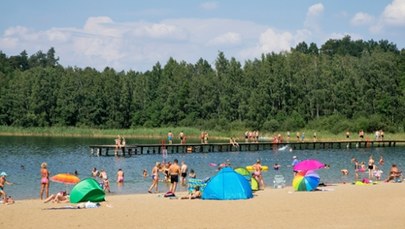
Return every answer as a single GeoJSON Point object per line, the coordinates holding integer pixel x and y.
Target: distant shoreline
{"type": "Point", "coordinates": [161, 133]}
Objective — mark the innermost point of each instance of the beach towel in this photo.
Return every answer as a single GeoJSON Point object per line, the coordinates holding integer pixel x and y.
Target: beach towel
{"type": "Point", "coordinates": [194, 182]}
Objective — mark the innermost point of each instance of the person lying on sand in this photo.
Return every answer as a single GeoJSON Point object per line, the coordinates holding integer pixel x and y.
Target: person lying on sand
{"type": "Point", "coordinates": [60, 197]}
{"type": "Point", "coordinates": [196, 194]}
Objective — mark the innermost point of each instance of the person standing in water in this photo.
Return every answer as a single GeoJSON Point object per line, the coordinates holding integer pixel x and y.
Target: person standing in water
{"type": "Point", "coordinates": [184, 170]}
{"type": "Point", "coordinates": [44, 181]}
{"type": "Point", "coordinates": [155, 178]}
{"type": "Point", "coordinates": [174, 172]}
{"type": "Point", "coordinates": [120, 176]}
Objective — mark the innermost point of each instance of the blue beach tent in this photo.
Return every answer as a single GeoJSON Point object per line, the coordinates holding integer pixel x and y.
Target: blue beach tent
{"type": "Point", "coordinates": [227, 185]}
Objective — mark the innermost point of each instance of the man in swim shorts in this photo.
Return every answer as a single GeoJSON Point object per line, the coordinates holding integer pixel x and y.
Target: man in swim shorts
{"type": "Point", "coordinates": [174, 171]}
{"type": "Point", "coordinates": [170, 137]}
{"type": "Point", "coordinates": [183, 170]}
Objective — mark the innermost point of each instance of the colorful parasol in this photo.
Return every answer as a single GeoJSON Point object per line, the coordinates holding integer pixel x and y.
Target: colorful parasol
{"type": "Point", "coordinates": [309, 164]}
{"type": "Point", "coordinates": [65, 178]}
{"type": "Point", "coordinates": [306, 181]}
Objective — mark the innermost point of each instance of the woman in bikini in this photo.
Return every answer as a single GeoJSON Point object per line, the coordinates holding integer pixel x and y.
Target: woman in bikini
{"type": "Point", "coordinates": [44, 180]}
{"type": "Point", "coordinates": [155, 178]}
{"type": "Point", "coordinates": [120, 176]}
{"type": "Point", "coordinates": [258, 174]}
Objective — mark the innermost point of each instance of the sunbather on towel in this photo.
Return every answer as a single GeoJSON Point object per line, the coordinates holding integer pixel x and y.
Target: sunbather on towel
{"type": "Point", "coordinates": [196, 194]}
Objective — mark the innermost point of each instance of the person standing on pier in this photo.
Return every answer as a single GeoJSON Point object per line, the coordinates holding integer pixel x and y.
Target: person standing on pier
{"type": "Point", "coordinates": [202, 136]}
{"type": "Point", "coordinates": [170, 137]}
{"type": "Point", "coordinates": [117, 145]}
{"type": "Point", "coordinates": [361, 135]}
{"type": "Point", "coordinates": [182, 138]}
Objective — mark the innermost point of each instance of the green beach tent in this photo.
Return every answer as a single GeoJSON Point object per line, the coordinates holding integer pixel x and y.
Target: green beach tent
{"type": "Point", "coordinates": [87, 190]}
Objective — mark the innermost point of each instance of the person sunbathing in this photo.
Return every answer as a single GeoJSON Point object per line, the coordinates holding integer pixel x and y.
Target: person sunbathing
{"type": "Point", "coordinates": [196, 194]}
{"type": "Point", "coordinates": [60, 197]}
{"type": "Point", "coordinates": [394, 173]}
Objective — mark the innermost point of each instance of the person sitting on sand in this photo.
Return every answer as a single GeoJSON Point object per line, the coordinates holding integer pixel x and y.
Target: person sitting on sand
{"type": "Point", "coordinates": [394, 173]}
{"type": "Point", "coordinates": [10, 200]}
{"type": "Point", "coordinates": [196, 194]}
{"type": "Point", "coordinates": [60, 197]}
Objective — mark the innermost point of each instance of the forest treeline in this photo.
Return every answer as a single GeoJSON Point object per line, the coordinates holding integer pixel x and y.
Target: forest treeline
{"type": "Point", "coordinates": [343, 85]}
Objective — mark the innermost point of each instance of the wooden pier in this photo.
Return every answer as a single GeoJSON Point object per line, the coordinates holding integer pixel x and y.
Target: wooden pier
{"type": "Point", "coordinates": [140, 149]}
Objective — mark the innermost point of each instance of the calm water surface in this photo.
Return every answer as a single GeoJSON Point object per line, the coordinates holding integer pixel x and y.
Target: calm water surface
{"type": "Point", "coordinates": [21, 157]}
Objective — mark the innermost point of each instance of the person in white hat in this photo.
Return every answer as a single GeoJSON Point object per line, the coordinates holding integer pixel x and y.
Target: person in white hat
{"type": "Point", "coordinates": [3, 181]}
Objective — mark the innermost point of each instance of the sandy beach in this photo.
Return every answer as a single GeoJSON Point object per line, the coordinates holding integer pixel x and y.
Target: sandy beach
{"type": "Point", "coordinates": [338, 206]}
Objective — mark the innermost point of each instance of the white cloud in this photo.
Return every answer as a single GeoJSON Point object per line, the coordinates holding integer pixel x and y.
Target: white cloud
{"type": "Point", "coordinates": [312, 19]}
{"type": "Point", "coordinates": [394, 13]}
{"type": "Point", "coordinates": [226, 39]}
{"type": "Point", "coordinates": [270, 41]}
{"type": "Point", "coordinates": [158, 30]}
{"type": "Point", "coordinates": [361, 18]}
{"type": "Point", "coordinates": [392, 16]}
{"type": "Point", "coordinates": [209, 5]}
{"type": "Point", "coordinates": [315, 10]}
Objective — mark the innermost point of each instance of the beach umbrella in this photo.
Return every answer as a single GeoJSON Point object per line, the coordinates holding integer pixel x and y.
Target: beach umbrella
{"type": "Point", "coordinates": [305, 180]}
{"type": "Point", "coordinates": [65, 178]}
{"type": "Point", "coordinates": [309, 164]}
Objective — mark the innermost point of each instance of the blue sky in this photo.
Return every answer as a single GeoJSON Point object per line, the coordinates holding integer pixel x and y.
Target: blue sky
{"type": "Point", "coordinates": [135, 35]}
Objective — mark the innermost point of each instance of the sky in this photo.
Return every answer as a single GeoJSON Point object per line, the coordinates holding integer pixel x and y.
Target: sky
{"type": "Point", "coordinates": [136, 34]}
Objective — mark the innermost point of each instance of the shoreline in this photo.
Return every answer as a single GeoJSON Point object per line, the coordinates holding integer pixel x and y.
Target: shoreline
{"type": "Point", "coordinates": [338, 206]}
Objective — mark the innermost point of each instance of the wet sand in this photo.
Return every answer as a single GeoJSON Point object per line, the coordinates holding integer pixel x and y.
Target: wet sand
{"type": "Point", "coordinates": [338, 206]}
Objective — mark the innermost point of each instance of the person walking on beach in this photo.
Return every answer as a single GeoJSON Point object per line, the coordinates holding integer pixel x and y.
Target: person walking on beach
{"type": "Point", "coordinates": [174, 171]}
{"type": "Point", "coordinates": [184, 170]}
{"type": "Point", "coordinates": [44, 180]}
{"type": "Point", "coordinates": [3, 181]}
{"type": "Point", "coordinates": [155, 178]}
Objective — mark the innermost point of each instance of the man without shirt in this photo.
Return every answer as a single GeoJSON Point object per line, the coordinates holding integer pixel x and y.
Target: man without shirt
{"type": "Point", "coordinates": [184, 171]}
{"type": "Point", "coordinates": [174, 171]}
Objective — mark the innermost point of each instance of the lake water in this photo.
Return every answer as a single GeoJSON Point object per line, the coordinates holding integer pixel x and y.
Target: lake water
{"type": "Point", "coordinates": [21, 157]}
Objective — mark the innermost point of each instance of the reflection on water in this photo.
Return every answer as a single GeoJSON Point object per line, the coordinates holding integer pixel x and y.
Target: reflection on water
{"type": "Point", "coordinates": [21, 158]}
